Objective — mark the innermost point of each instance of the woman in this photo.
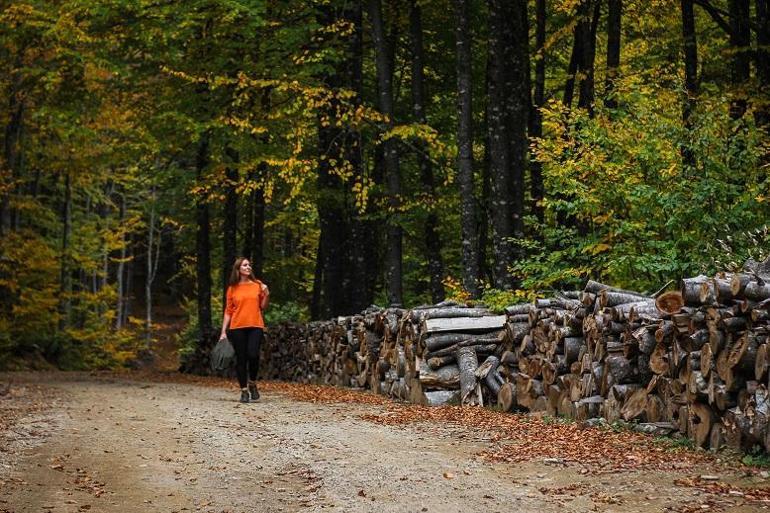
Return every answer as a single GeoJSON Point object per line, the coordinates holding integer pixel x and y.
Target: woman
{"type": "Point", "coordinates": [247, 297]}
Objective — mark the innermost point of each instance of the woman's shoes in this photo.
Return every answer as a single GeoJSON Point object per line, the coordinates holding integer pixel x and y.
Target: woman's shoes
{"type": "Point", "coordinates": [253, 391]}
{"type": "Point", "coordinates": [244, 396]}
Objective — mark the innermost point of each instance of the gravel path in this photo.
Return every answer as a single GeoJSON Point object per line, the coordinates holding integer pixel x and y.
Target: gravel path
{"type": "Point", "coordinates": [129, 446]}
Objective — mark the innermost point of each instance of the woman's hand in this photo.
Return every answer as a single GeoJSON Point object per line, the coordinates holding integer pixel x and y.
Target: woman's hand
{"type": "Point", "coordinates": [222, 335]}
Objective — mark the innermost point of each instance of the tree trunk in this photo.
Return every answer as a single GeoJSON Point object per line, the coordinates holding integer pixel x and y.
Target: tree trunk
{"type": "Point", "coordinates": [152, 266]}
{"type": "Point", "coordinates": [392, 172]}
{"type": "Point", "coordinates": [120, 272]}
{"type": "Point", "coordinates": [740, 46]}
{"type": "Point", "coordinates": [248, 220]}
{"type": "Point", "coordinates": [203, 261]}
{"type": "Point", "coordinates": [12, 148]}
{"type": "Point", "coordinates": [588, 56]}
{"type": "Point", "coordinates": [614, 14]}
{"type": "Point", "coordinates": [230, 242]}
{"type": "Point", "coordinates": [315, 300]}
{"type": "Point", "coordinates": [762, 62]}
{"type": "Point", "coordinates": [331, 214]}
{"type": "Point", "coordinates": [499, 147]}
{"type": "Point", "coordinates": [365, 263]}
{"type": "Point", "coordinates": [465, 148]}
{"type": "Point", "coordinates": [536, 126]}
{"type": "Point", "coordinates": [690, 76]}
{"type": "Point", "coordinates": [507, 116]}
{"type": "Point", "coordinates": [431, 235]}
{"type": "Point", "coordinates": [577, 51]}
{"type": "Point", "coordinates": [66, 268]}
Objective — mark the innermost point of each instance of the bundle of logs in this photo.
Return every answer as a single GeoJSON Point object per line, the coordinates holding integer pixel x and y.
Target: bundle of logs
{"type": "Point", "coordinates": [693, 360]}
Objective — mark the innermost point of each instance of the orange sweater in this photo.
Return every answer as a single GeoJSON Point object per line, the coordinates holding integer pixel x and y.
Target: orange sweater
{"type": "Point", "coordinates": [244, 305]}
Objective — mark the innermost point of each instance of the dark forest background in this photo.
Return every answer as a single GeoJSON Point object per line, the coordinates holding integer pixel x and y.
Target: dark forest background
{"type": "Point", "coordinates": [359, 152]}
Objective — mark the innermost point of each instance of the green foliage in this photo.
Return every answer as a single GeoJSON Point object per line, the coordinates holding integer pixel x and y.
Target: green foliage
{"type": "Point", "coordinates": [189, 337]}
{"type": "Point", "coordinates": [677, 443]}
{"type": "Point", "coordinates": [289, 311]}
{"type": "Point", "coordinates": [549, 420]}
{"type": "Point", "coordinates": [639, 216]}
{"type": "Point", "coordinates": [496, 299]}
{"type": "Point", "coordinates": [756, 458]}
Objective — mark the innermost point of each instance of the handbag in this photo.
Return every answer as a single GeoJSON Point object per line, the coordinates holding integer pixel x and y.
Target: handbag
{"type": "Point", "coordinates": [222, 355]}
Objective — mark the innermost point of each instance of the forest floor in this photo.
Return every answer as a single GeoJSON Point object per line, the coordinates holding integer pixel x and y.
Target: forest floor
{"type": "Point", "coordinates": [161, 442]}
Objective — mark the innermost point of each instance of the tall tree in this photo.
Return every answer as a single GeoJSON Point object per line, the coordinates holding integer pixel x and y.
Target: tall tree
{"type": "Point", "coordinates": [230, 228]}
{"type": "Point", "coordinates": [419, 99]}
{"type": "Point", "coordinates": [66, 267]}
{"type": "Point", "coordinates": [12, 154]}
{"type": "Point", "coordinates": [364, 261]}
{"type": "Point", "coordinates": [614, 13]}
{"type": "Point", "coordinates": [581, 63]}
{"type": "Point", "coordinates": [153, 258]}
{"type": "Point", "coordinates": [120, 281]}
{"type": "Point", "coordinates": [384, 66]}
{"type": "Point", "coordinates": [690, 74]}
{"type": "Point", "coordinates": [762, 62]}
{"type": "Point", "coordinates": [470, 252]}
{"type": "Point", "coordinates": [536, 117]}
{"type": "Point", "coordinates": [588, 58]}
{"type": "Point", "coordinates": [740, 45]}
{"type": "Point", "coordinates": [508, 116]}
{"type": "Point", "coordinates": [203, 254]}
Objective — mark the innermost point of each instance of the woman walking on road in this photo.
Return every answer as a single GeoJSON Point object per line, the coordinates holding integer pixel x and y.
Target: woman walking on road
{"type": "Point", "coordinates": [247, 297]}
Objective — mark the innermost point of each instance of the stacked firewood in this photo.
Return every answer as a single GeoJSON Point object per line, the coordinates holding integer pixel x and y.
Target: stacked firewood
{"type": "Point", "coordinates": [447, 343]}
{"type": "Point", "coordinates": [693, 360]}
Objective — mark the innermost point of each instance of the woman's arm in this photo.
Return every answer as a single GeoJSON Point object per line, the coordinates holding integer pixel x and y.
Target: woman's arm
{"type": "Point", "coordinates": [265, 299]}
{"type": "Point", "coordinates": [228, 313]}
{"type": "Point", "coordinates": [225, 324]}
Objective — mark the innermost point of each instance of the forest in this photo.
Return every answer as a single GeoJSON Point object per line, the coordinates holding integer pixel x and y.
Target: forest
{"type": "Point", "coordinates": [388, 152]}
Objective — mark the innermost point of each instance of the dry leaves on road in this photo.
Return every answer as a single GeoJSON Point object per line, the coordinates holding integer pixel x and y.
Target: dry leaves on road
{"type": "Point", "coordinates": [522, 437]}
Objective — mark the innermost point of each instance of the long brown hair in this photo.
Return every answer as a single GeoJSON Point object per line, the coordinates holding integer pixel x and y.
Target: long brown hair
{"type": "Point", "coordinates": [235, 274]}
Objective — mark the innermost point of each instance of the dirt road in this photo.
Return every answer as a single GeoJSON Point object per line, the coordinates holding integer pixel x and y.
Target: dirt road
{"type": "Point", "coordinates": [119, 445]}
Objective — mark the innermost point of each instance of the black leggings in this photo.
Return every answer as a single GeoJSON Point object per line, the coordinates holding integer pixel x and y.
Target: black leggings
{"type": "Point", "coordinates": [246, 342]}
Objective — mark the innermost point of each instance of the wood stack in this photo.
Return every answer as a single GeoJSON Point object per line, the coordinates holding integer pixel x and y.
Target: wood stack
{"type": "Point", "coordinates": [693, 360]}
{"type": "Point", "coordinates": [447, 342]}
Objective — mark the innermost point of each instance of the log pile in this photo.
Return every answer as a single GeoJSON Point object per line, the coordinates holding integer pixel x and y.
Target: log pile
{"type": "Point", "coordinates": [447, 342]}
{"type": "Point", "coordinates": [693, 360]}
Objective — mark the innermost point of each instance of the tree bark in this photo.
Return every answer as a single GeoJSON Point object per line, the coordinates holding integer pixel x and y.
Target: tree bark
{"type": "Point", "coordinates": [690, 74]}
{"type": "Point", "coordinates": [614, 15]}
{"type": "Point", "coordinates": [120, 272]}
{"type": "Point", "coordinates": [66, 268]}
{"type": "Point", "coordinates": [152, 265]}
{"type": "Point", "coordinates": [740, 46]}
{"type": "Point", "coordinates": [507, 117]}
{"type": "Point", "coordinates": [365, 263]}
{"type": "Point", "coordinates": [470, 258]}
{"type": "Point", "coordinates": [762, 62]}
{"type": "Point", "coordinates": [230, 228]}
{"type": "Point", "coordinates": [254, 222]}
{"type": "Point", "coordinates": [12, 147]}
{"type": "Point", "coordinates": [392, 172]}
{"type": "Point", "coordinates": [536, 126]}
{"type": "Point", "coordinates": [499, 147]}
{"type": "Point", "coordinates": [203, 252]}
{"type": "Point", "coordinates": [331, 214]}
{"type": "Point", "coordinates": [431, 235]}
{"type": "Point", "coordinates": [587, 59]}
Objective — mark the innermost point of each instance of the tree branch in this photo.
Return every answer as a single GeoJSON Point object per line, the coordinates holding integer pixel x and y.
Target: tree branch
{"type": "Point", "coordinates": [718, 15]}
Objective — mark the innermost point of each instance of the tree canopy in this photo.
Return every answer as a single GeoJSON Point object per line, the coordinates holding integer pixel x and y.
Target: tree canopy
{"type": "Point", "coordinates": [359, 152]}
